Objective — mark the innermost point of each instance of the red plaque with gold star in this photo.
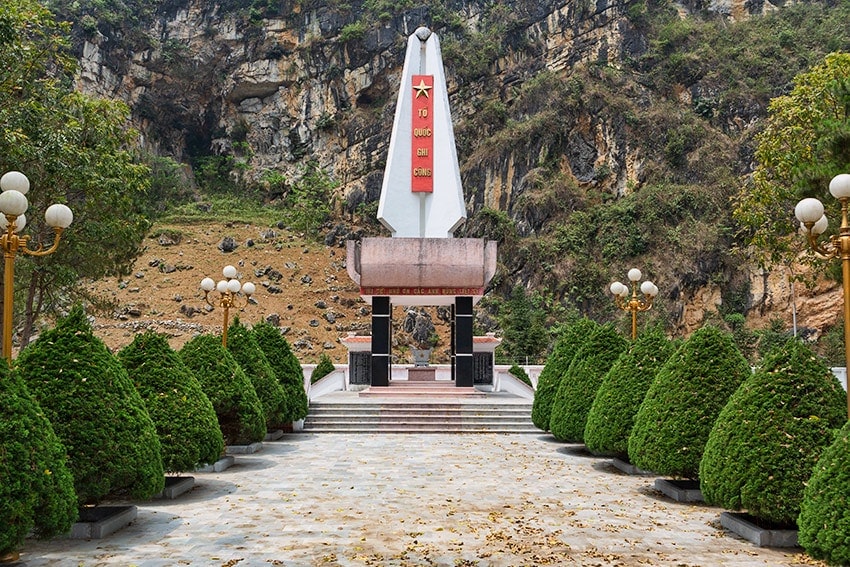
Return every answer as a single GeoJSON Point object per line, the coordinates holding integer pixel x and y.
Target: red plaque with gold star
{"type": "Point", "coordinates": [422, 162]}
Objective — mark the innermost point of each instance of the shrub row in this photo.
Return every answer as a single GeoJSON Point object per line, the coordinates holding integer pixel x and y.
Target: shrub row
{"type": "Point", "coordinates": [79, 424]}
{"type": "Point", "coordinates": [774, 442]}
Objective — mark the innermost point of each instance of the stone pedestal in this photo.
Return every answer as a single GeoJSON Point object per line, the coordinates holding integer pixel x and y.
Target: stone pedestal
{"type": "Point", "coordinates": [421, 374]}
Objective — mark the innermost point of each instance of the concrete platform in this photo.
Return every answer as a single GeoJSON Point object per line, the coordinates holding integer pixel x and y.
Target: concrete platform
{"type": "Point", "coordinates": [487, 500]}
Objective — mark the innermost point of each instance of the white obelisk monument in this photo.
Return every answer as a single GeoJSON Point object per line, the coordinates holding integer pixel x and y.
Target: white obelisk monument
{"type": "Point", "coordinates": [422, 196]}
{"type": "Point", "coordinates": [421, 205]}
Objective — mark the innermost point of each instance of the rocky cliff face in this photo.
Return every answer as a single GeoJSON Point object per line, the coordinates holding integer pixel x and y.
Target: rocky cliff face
{"type": "Point", "coordinates": [293, 88]}
{"type": "Point", "coordinates": [318, 80]}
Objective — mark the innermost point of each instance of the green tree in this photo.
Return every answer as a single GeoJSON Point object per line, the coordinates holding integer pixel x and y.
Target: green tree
{"type": "Point", "coordinates": [245, 349]}
{"type": "Point", "coordinates": [568, 343]}
{"type": "Point", "coordinates": [75, 150]}
{"type": "Point", "coordinates": [768, 437]}
{"type": "Point", "coordinates": [582, 380]}
{"type": "Point", "coordinates": [184, 417]}
{"type": "Point", "coordinates": [824, 519]}
{"type": "Point", "coordinates": [36, 487]}
{"type": "Point", "coordinates": [307, 203]}
{"type": "Point", "coordinates": [113, 448]}
{"type": "Point", "coordinates": [524, 335]}
{"type": "Point", "coordinates": [682, 403]}
{"type": "Point", "coordinates": [805, 142]}
{"type": "Point", "coordinates": [239, 411]}
{"type": "Point", "coordinates": [286, 367]}
{"type": "Point", "coordinates": [610, 420]}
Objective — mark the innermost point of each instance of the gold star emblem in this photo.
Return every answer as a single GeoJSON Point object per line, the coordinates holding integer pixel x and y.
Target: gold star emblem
{"type": "Point", "coordinates": [422, 89]}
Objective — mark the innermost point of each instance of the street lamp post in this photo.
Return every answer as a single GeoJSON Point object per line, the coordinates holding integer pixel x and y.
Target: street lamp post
{"type": "Point", "coordinates": [633, 303]}
{"type": "Point", "coordinates": [228, 289]}
{"type": "Point", "coordinates": [13, 204]}
{"type": "Point", "coordinates": [814, 223]}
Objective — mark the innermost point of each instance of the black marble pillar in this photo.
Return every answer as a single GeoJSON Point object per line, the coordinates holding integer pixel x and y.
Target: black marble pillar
{"type": "Point", "coordinates": [463, 342]}
{"type": "Point", "coordinates": [381, 325]}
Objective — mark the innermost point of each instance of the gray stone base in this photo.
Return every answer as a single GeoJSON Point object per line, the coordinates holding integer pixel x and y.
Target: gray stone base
{"type": "Point", "coordinates": [679, 490]}
{"type": "Point", "coordinates": [244, 449]}
{"type": "Point", "coordinates": [629, 468]}
{"type": "Point", "coordinates": [176, 486]}
{"type": "Point", "coordinates": [100, 521]}
{"type": "Point", "coordinates": [744, 525]}
{"type": "Point", "coordinates": [222, 464]}
{"type": "Point", "coordinates": [298, 425]}
{"type": "Point", "coordinates": [273, 435]}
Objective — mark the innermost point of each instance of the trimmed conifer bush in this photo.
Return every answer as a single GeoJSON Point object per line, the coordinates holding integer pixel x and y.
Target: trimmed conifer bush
{"type": "Point", "coordinates": [325, 367]}
{"type": "Point", "coordinates": [824, 520]}
{"type": "Point", "coordinates": [581, 381]}
{"type": "Point", "coordinates": [520, 374]}
{"type": "Point", "coordinates": [556, 366]}
{"type": "Point", "coordinates": [286, 367]}
{"type": "Point", "coordinates": [623, 388]}
{"type": "Point", "coordinates": [243, 345]}
{"type": "Point", "coordinates": [237, 407]}
{"type": "Point", "coordinates": [85, 392]}
{"type": "Point", "coordinates": [682, 403]}
{"type": "Point", "coordinates": [36, 487]}
{"type": "Point", "coordinates": [183, 415]}
{"type": "Point", "coordinates": [768, 437]}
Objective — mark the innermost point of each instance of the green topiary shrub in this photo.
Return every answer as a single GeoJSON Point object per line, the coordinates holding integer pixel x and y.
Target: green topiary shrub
{"type": "Point", "coordinates": [556, 366]}
{"type": "Point", "coordinates": [623, 388]}
{"type": "Point", "coordinates": [286, 367]}
{"type": "Point", "coordinates": [244, 347]}
{"type": "Point", "coordinates": [183, 415]}
{"type": "Point", "coordinates": [769, 435]}
{"type": "Point", "coordinates": [325, 367]}
{"type": "Point", "coordinates": [676, 416]}
{"type": "Point", "coordinates": [581, 381]}
{"type": "Point", "coordinates": [240, 414]}
{"type": "Point", "coordinates": [517, 372]}
{"type": "Point", "coordinates": [824, 520]}
{"type": "Point", "coordinates": [113, 449]}
{"type": "Point", "coordinates": [36, 487]}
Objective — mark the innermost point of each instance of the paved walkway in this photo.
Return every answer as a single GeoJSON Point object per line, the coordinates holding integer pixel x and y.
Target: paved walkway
{"type": "Point", "coordinates": [444, 500]}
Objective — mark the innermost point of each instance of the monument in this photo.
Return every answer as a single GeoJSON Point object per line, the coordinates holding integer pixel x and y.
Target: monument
{"type": "Point", "coordinates": [422, 205]}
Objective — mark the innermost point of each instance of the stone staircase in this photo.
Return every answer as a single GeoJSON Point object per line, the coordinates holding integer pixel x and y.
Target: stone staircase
{"type": "Point", "coordinates": [419, 417]}
{"type": "Point", "coordinates": [414, 408]}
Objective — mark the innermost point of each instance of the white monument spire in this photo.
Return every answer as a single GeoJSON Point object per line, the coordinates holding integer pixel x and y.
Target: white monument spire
{"type": "Point", "coordinates": [422, 196]}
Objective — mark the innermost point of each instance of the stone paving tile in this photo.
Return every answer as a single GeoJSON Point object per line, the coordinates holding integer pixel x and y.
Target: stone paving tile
{"type": "Point", "coordinates": [408, 500]}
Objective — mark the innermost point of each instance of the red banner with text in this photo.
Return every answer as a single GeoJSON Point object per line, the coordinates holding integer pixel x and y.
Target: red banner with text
{"type": "Point", "coordinates": [422, 163]}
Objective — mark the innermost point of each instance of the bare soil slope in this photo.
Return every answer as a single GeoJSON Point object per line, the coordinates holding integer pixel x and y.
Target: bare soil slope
{"type": "Point", "coordinates": [303, 284]}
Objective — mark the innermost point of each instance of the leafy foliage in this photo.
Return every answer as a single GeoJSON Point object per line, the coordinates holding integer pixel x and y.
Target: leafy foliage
{"type": "Point", "coordinates": [113, 448]}
{"type": "Point", "coordinates": [36, 487]}
{"type": "Point", "coordinates": [824, 520]}
{"type": "Point", "coordinates": [325, 367]}
{"type": "Point", "coordinates": [240, 414]}
{"type": "Point", "coordinates": [245, 349]}
{"type": "Point", "coordinates": [582, 380]}
{"type": "Point", "coordinates": [568, 344]}
{"type": "Point", "coordinates": [767, 438]}
{"type": "Point", "coordinates": [610, 419]}
{"type": "Point", "coordinates": [286, 366]}
{"type": "Point", "coordinates": [75, 150]}
{"type": "Point", "coordinates": [805, 142]}
{"type": "Point", "coordinates": [676, 416]}
{"type": "Point", "coordinates": [184, 417]}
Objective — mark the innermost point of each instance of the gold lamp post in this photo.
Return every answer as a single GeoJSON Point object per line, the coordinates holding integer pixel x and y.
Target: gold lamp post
{"type": "Point", "coordinates": [229, 289]}
{"type": "Point", "coordinates": [13, 204]}
{"type": "Point", "coordinates": [813, 223]}
{"type": "Point", "coordinates": [628, 300]}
